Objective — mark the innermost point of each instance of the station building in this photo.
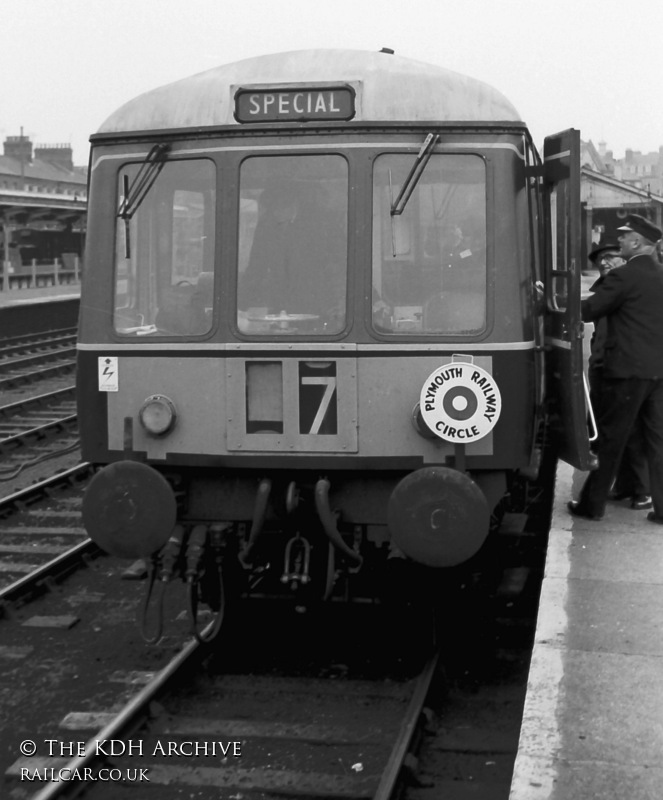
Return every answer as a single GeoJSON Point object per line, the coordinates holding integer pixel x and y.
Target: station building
{"type": "Point", "coordinates": [607, 198]}
{"type": "Point", "coordinates": [43, 204]}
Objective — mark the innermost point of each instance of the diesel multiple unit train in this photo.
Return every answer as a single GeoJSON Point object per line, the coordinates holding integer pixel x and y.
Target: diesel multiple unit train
{"type": "Point", "coordinates": [330, 315]}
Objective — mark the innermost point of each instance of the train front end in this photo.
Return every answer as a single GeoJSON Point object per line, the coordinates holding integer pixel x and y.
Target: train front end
{"type": "Point", "coordinates": [311, 334]}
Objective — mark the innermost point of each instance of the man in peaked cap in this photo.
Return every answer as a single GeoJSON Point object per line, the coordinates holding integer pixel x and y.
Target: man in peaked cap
{"type": "Point", "coordinates": [632, 480]}
{"type": "Point", "coordinates": [643, 227]}
{"type": "Point", "coordinates": [604, 257]}
{"type": "Point", "coordinates": [631, 298]}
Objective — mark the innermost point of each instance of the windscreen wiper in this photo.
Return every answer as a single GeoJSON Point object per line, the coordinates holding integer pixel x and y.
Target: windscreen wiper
{"type": "Point", "coordinates": [135, 192]}
{"type": "Point", "coordinates": [410, 183]}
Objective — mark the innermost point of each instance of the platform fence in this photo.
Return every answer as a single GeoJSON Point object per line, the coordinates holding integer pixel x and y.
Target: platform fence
{"type": "Point", "coordinates": [64, 270]}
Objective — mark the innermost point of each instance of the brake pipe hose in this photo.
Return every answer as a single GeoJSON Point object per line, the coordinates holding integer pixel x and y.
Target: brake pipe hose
{"type": "Point", "coordinates": [329, 521]}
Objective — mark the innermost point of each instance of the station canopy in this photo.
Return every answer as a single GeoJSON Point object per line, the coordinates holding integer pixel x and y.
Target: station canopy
{"type": "Point", "coordinates": [42, 211]}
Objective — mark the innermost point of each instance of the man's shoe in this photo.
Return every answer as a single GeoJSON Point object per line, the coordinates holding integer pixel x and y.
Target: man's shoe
{"type": "Point", "coordinates": [576, 509]}
{"type": "Point", "coordinates": [641, 501]}
{"type": "Point", "coordinates": [653, 517]}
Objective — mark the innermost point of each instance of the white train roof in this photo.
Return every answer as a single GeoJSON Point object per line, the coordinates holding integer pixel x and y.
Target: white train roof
{"type": "Point", "coordinates": [388, 88]}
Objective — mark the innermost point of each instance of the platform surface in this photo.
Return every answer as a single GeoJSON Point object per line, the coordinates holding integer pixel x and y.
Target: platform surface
{"type": "Point", "coordinates": [39, 295]}
{"type": "Point", "coordinates": [593, 719]}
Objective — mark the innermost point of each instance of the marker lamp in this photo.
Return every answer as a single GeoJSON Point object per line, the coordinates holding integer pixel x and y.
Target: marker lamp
{"type": "Point", "coordinates": [158, 415]}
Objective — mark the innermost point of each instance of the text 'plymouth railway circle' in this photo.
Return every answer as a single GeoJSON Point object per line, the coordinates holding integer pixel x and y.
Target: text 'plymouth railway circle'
{"type": "Point", "coordinates": [460, 403]}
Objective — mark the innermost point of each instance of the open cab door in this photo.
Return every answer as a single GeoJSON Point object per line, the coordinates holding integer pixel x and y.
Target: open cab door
{"type": "Point", "coordinates": [564, 327]}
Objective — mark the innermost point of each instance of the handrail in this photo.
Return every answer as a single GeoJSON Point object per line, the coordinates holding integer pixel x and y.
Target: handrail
{"type": "Point", "coordinates": [594, 433]}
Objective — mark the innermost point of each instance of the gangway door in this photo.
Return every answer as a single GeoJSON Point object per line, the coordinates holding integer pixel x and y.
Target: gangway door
{"type": "Point", "coordinates": [564, 327]}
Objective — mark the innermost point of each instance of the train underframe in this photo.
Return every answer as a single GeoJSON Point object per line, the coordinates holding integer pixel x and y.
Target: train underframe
{"type": "Point", "coordinates": [304, 538]}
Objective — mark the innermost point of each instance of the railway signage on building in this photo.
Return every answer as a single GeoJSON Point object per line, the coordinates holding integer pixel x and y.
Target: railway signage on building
{"type": "Point", "coordinates": [277, 104]}
{"type": "Point", "coordinates": [460, 403]}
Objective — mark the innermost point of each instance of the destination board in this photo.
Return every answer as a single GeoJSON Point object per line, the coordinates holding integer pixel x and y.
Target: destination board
{"type": "Point", "coordinates": [294, 105]}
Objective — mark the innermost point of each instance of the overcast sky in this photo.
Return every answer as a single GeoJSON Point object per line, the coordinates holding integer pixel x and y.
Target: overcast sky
{"type": "Point", "coordinates": [595, 65]}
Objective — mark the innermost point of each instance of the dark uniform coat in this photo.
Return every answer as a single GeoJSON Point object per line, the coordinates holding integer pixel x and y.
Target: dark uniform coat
{"type": "Point", "coordinates": [633, 474]}
{"type": "Point", "coordinates": [597, 344]}
{"type": "Point", "coordinates": [632, 297]}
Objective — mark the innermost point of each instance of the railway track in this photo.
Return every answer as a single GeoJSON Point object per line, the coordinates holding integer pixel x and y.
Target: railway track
{"type": "Point", "coordinates": [38, 420]}
{"type": "Point", "coordinates": [40, 532]}
{"type": "Point", "coordinates": [67, 623]}
{"type": "Point", "coordinates": [70, 617]}
{"type": "Point", "coordinates": [222, 735]}
{"type": "Point", "coordinates": [285, 705]}
{"type": "Point", "coordinates": [25, 359]}
{"type": "Point", "coordinates": [11, 346]}
{"type": "Point", "coordinates": [34, 421]}
{"type": "Point", "coordinates": [59, 443]}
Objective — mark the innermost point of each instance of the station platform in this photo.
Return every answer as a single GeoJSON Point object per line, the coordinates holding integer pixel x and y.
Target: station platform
{"type": "Point", "coordinates": [593, 719]}
{"type": "Point", "coordinates": [24, 312]}
{"type": "Point", "coordinates": [14, 297]}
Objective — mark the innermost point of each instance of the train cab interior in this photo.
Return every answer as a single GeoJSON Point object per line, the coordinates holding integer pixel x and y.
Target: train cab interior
{"type": "Point", "coordinates": [293, 245]}
{"type": "Point", "coordinates": [429, 255]}
{"type": "Point", "coordinates": [164, 251]}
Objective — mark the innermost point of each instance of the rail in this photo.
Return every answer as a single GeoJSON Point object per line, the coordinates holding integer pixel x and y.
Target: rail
{"type": "Point", "coordinates": [62, 564]}
{"type": "Point", "coordinates": [137, 712]}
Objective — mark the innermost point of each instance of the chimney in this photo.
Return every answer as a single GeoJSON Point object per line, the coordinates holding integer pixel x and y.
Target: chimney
{"type": "Point", "coordinates": [18, 147]}
{"type": "Point", "coordinates": [60, 155]}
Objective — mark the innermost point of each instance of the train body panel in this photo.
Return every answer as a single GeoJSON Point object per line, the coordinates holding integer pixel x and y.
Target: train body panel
{"type": "Point", "coordinates": [318, 302]}
{"type": "Point", "coordinates": [369, 407]}
{"type": "Point", "coordinates": [384, 87]}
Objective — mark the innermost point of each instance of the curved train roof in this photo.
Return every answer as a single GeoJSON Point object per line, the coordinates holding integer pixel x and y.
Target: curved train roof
{"type": "Point", "coordinates": [388, 88]}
